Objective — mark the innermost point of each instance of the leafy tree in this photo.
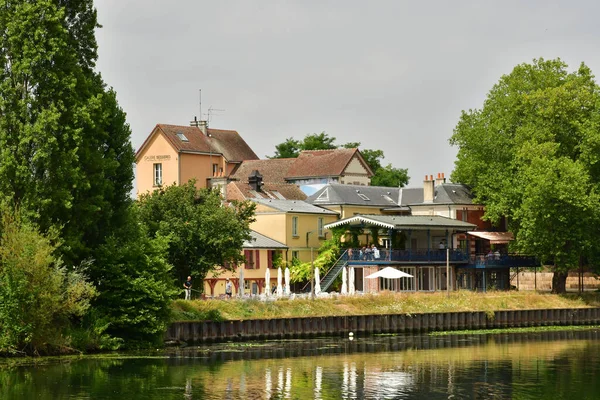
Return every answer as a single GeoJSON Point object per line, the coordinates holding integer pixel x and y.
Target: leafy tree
{"type": "Point", "coordinates": [135, 284]}
{"type": "Point", "coordinates": [39, 295]}
{"type": "Point", "coordinates": [65, 153]}
{"type": "Point", "coordinates": [382, 176]}
{"type": "Point", "coordinates": [202, 232]}
{"type": "Point", "coordinates": [531, 154]}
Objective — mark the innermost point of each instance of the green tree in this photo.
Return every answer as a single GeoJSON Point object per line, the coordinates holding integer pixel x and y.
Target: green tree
{"type": "Point", "coordinates": [390, 177]}
{"type": "Point", "coordinates": [202, 232]}
{"type": "Point", "coordinates": [531, 154]}
{"type": "Point", "coordinates": [288, 149]}
{"type": "Point", "coordinates": [40, 297]}
{"type": "Point", "coordinates": [65, 153]}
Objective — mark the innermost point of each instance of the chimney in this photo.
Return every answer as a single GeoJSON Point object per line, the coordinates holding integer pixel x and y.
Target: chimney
{"type": "Point", "coordinates": [203, 125]}
{"type": "Point", "coordinates": [440, 179]}
{"type": "Point", "coordinates": [428, 186]}
{"type": "Point", "coordinates": [255, 180]}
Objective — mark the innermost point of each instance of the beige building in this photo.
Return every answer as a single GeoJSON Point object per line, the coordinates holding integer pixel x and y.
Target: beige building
{"type": "Point", "coordinates": [173, 154]}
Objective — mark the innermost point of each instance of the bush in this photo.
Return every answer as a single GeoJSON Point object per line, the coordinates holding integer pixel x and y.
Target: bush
{"type": "Point", "coordinates": [38, 295]}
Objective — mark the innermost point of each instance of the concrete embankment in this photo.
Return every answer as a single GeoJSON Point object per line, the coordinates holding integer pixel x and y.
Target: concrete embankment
{"type": "Point", "coordinates": [210, 331]}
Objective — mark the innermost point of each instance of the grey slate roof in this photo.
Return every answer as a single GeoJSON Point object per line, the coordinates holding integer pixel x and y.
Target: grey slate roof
{"type": "Point", "coordinates": [260, 241]}
{"type": "Point", "coordinates": [296, 206]}
{"type": "Point", "coordinates": [446, 193]}
{"type": "Point", "coordinates": [340, 194]}
{"type": "Point", "coordinates": [404, 222]}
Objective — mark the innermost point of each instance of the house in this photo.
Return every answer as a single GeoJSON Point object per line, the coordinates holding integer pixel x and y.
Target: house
{"type": "Point", "coordinates": [174, 154]}
{"type": "Point", "coordinates": [296, 224]}
{"type": "Point", "coordinates": [260, 253]}
{"type": "Point", "coordinates": [255, 187]}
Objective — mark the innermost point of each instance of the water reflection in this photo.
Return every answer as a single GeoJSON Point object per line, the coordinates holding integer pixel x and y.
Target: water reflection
{"type": "Point", "coordinates": [557, 365]}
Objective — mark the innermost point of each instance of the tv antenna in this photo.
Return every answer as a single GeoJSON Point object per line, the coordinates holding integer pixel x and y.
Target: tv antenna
{"type": "Point", "coordinates": [212, 112]}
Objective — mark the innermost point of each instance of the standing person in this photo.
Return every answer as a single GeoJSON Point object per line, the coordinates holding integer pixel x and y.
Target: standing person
{"type": "Point", "coordinates": [187, 285]}
{"type": "Point", "coordinates": [375, 252]}
{"type": "Point", "coordinates": [228, 288]}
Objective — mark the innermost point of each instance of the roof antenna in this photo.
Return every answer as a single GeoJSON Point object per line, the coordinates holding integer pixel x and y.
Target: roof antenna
{"type": "Point", "coordinates": [195, 122]}
{"type": "Point", "coordinates": [211, 111]}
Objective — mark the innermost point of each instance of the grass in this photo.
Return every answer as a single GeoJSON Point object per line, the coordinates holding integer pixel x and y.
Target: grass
{"type": "Point", "coordinates": [529, 329]}
{"type": "Point", "coordinates": [384, 303]}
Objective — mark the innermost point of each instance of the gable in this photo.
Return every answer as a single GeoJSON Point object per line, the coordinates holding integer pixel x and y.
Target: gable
{"type": "Point", "coordinates": [355, 166]}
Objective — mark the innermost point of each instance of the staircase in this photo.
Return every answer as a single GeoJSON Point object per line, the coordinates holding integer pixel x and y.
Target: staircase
{"type": "Point", "coordinates": [331, 274]}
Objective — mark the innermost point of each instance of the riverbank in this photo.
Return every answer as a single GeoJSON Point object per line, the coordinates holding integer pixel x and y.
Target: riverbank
{"type": "Point", "coordinates": [380, 304]}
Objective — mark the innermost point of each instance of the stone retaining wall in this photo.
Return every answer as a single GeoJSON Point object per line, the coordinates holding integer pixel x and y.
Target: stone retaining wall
{"type": "Point", "coordinates": [209, 331]}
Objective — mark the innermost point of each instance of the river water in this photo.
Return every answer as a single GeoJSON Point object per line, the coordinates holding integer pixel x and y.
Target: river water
{"type": "Point", "coordinates": [552, 365]}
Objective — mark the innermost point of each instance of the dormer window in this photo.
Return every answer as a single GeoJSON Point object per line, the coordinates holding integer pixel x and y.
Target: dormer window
{"type": "Point", "coordinates": [323, 196]}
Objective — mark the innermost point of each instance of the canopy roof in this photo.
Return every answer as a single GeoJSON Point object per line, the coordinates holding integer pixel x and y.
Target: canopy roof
{"type": "Point", "coordinates": [494, 237]}
{"type": "Point", "coordinates": [389, 273]}
{"type": "Point", "coordinates": [400, 222]}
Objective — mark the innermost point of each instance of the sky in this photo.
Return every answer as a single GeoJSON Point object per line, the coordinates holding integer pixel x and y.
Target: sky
{"type": "Point", "coordinates": [393, 75]}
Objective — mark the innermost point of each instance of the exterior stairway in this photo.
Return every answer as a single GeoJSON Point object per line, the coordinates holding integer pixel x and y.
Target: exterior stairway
{"type": "Point", "coordinates": [331, 274]}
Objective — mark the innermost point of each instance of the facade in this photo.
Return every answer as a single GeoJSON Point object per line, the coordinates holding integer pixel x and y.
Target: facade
{"type": "Point", "coordinates": [261, 253]}
{"type": "Point", "coordinates": [296, 224]}
{"type": "Point", "coordinates": [173, 154]}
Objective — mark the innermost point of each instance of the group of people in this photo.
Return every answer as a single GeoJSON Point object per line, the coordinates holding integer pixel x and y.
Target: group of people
{"type": "Point", "coordinates": [366, 253]}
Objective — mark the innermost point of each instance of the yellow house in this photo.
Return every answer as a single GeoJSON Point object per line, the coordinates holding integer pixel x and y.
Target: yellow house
{"type": "Point", "coordinates": [295, 223]}
{"type": "Point", "coordinates": [174, 154]}
{"type": "Point", "coordinates": [261, 253]}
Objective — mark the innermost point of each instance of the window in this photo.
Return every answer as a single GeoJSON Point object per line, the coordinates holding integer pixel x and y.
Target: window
{"type": "Point", "coordinates": [362, 196]}
{"type": "Point", "coordinates": [320, 227]}
{"type": "Point", "coordinates": [157, 174]}
{"type": "Point", "coordinates": [182, 137]}
{"type": "Point", "coordinates": [252, 259]}
{"type": "Point", "coordinates": [295, 255]}
{"type": "Point", "coordinates": [215, 169]}
{"type": "Point", "coordinates": [272, 257]}
{"type": "Point", "coordinates": [294, 226]}
{"type": "Point", "coordinates": [324, 196]}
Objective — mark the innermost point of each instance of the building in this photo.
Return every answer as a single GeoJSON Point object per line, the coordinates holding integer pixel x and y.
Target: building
{"type": "Point", "coordinates": [174, 154]}
{"type": "Point", "coordinates": [260, 253]}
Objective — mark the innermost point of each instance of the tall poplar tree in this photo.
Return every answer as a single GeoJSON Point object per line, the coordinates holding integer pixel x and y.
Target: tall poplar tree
{"type": "Point", "coordinates": [65, 152]}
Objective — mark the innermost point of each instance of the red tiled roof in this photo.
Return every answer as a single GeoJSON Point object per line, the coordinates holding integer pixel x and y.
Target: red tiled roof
{"type": "Point", "coordinates": [228, 143]}
{"type": "Point", "coordinates": [272, 170]}
{"type": "Point", "coordinates": [288, 191]}
{"type": "Point", "coordinates": [315, 163]}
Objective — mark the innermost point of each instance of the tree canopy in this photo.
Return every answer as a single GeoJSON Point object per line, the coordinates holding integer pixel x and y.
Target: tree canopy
{"type": "Point", "coordinates": [531, 154]}
{"type": "Point", "coordinates": [202, 232]}
{"type": "Point", "coordinates": [383, 176]}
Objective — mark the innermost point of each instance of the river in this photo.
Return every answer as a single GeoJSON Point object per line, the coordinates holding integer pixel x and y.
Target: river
{"type": "Point", "coordinates": [549, 365]}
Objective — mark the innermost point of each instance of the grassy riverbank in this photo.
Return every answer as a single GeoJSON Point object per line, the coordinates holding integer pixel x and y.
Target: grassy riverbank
{"type": "Point", "coordinates": [385, 303]}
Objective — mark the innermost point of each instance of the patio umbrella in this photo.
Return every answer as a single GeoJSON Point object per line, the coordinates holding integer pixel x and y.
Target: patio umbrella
{"type": "Point", "coordinates": [287, 281]}
{"type": "Point", "coordinates": [279, 287]}
{"type": "Point", "coordinates": [267, 282]}
{"type": "Point", "coordinates": [344, 281]}
{"type": "Point", "coordinates": [317, 281]}
{"type": "Point", "coordinates": [241, 287]}
{"type": "Point", "coordinates": [351, 288]}
{"type": "Point", "coordinates": [389, 273]}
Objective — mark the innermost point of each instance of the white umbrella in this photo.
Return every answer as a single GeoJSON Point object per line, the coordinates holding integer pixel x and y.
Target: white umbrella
{"type": "Point", "coordinates": [351, 288]}
{"type": "Point", "coordinates": [241, 287]}
{"type": "Point", "coordinates": [317, 281]}
{"type": "Point", "coordinates": [389, 273]}
{"type": "Point", "coordinates": [279, 287]}
{"type": "Point", "coordinates": [344, 280]}
{"type": "Point", "coordinates": [267, 282]}
{"type": "Point", "coordinates": [287, 281]}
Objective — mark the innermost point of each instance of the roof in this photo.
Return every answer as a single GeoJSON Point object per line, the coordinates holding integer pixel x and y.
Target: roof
{"type": "Point", "coordinates": [272, 170]}
{"type": "Point", "coordinates": [281, 191]}
{"type": "Point", "coordinates": [340, 194]}
{"type": "Point", "coordinates": [445, 193]}
{"type": "Point", "coordinates": [320, 163]}
{"type": "Point", "coordinates": [296, 206]}
{"type": "Point", "coordinates": [191, 139]}
{"type": "Point", "coordinates": [494, 237]}
{"type": "Point", "coordinates": [260, 241]}
{"type": "Point", "coordinates": [404, 222]}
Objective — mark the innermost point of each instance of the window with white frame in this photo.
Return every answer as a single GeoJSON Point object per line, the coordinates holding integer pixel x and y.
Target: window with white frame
{"type": "Point", "coordinates": [294, 226]}
{"type": "Point", "coordinates": [157, 174]}
{"type": "Point", "coordinates": [320, 226]}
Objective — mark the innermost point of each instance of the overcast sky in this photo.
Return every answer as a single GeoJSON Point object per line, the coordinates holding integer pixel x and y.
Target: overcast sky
{"type": "Point", "coordinates": [393, 75]}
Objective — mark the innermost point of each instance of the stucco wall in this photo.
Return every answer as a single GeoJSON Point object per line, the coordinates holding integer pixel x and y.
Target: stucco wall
{"type": "Point", "coordinates": [158, 150]}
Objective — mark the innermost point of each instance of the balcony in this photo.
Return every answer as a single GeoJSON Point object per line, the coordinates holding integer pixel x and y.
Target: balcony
{"type": "Point", "coordinates": [434, 256]}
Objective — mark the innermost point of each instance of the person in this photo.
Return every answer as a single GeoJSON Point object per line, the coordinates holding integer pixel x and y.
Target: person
{"type": "Point", "coordinates": [187, 285]}
{"type": "Point", "coordinates": [375, 251]}
{"type": "Point", "coordinates": [361, 254]}
{"type": "Point", "coordinates": [490, 255]}
{"type": "Point", "coordinates": [442, 245]}
{"type": "Point", "coordinates": [228, 288]}
{"type": "Point", "coordinates": [368, 254]}
{"type": "Point", "coordinates": [497, 255]}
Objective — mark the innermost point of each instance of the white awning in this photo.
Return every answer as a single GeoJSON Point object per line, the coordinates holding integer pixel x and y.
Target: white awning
{"type": "Point", "coordinates": [494, 237]}
{"type": "Point", "coordinates": [389, 273]}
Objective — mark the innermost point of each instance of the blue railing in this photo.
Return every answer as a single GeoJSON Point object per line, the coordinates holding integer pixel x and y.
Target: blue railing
{"type": "Point", "coordinates": [502, 260]}
{"type": "Point", "coordinates": [356, 256]}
